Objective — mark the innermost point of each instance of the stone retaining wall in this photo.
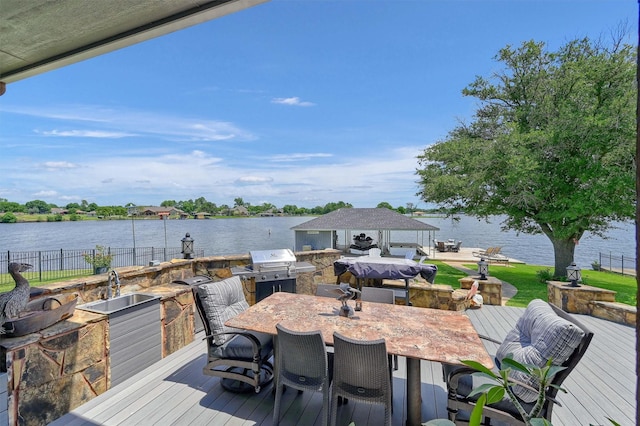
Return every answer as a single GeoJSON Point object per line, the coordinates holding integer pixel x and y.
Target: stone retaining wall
{"type": "Point", "coordinates": [587, 300]}
{"type": "Point", "coordinates": [490, 289]}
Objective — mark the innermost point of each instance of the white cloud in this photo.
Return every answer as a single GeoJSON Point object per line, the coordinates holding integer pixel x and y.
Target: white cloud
{"type": "Point", "coordinates": [294, 101]}
{"type": "Point", "coordinates": [126, 123]}
{"type": "Point", "coordinates": [58, 165]}
{"type": "Point", "coordinates": [296, 157]}
{"type": "Point", "coordinates": [46, 194]}
{"type": "Point", "coordinates": [253, 180]}
{"type": "Point", "coordinates": [86, 134]}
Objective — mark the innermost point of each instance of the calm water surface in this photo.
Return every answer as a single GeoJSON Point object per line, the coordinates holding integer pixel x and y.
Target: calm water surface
{"type": "Point", "coordinates": [237, 236]}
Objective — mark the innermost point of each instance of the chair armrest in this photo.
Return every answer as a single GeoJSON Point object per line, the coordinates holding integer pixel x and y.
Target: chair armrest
{"type": "Point", "coordinates": [452, 378]}
{"type": "Point", "coordinates": [491, 339]}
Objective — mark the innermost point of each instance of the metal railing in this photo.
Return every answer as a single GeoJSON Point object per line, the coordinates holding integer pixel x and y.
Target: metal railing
{"type": "Point", "coordinates": [621, 264]}
{"type": "Point", "coordinates": [51, 265]}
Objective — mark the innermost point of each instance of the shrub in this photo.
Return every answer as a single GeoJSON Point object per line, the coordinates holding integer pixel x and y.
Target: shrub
{"type": "Point", "coordinates": [544, 275]}
{"type": "Point", "coordinates": [99, 258]}
{"type": "Point", "coordinates": [8, 218]}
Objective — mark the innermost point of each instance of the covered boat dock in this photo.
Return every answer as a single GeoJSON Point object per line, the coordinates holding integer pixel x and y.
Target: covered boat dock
{"type": "Point", "coordinates": [323, 232]}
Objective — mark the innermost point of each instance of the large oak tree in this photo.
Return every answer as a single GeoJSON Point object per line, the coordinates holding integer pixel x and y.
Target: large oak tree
{"type": "Point", "coordinates": [551, 145]}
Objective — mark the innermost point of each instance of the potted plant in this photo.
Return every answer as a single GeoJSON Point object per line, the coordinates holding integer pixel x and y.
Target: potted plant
{"type": "Point", "coordinates": [100, 259]}
{"type": "Point", "coordinates": [492, 393]}
{"type": "Point", "coordinates": [595, 265]}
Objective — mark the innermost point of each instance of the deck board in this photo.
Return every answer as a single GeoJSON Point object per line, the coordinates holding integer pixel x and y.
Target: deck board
{"type": "Point", "coordinates": [175, 392]}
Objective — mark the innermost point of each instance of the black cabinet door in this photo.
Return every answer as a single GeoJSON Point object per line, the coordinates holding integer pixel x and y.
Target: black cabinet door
{"type": "Point", "coordinates": [265, 288]}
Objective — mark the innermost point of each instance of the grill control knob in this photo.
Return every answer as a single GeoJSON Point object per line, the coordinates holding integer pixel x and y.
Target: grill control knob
{"type": "Point", "coordinates": [264, 278]}
{"type": "Point", "coordinates": [276, 276]}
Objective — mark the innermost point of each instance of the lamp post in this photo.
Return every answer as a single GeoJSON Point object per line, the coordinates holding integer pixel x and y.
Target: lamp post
{"type": "Point", "coordinates": [187, 246]}
{"type": "Point", "coordinates": [483, 269]}
{"type": "Point", "coordinates": [574, 275]}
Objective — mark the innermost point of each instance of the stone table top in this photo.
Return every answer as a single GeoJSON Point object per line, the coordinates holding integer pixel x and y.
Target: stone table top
{"type": "Point", "coordinates": [420, 333]}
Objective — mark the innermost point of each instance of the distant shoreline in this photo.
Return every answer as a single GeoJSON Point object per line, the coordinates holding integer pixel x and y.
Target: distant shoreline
{"type": "Point", "coordinates": [52, 218]}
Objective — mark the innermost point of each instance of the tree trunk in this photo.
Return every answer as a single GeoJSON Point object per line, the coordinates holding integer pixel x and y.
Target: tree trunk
{"type": "Point", "coordinates": [563, 250]}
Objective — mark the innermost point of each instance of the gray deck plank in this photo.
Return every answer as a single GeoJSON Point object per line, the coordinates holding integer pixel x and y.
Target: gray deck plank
{"type": "Point", "coordinates": [175, 392]}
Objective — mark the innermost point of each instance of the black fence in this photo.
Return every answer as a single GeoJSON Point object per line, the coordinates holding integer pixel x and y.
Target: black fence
{"type": "Point", "coordinates": [51, 265]}
{"type": "Point", "coordinates": [625, 265]}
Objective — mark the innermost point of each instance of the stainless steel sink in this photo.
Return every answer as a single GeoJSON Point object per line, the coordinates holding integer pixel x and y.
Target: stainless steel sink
{"type": "Point", "coordinates": [118, 303]}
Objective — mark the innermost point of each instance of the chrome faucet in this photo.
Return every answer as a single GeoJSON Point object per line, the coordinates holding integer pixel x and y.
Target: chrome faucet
{"type": "Point", "coordinates": [113, 277]}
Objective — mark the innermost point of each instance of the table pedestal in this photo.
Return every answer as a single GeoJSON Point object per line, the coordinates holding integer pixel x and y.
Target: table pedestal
{"type": "Point", "coordinates": [414, 403]}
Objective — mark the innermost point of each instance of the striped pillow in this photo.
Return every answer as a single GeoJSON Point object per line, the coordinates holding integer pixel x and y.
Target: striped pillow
{"type": "Point", "coordinates": [539, 335]}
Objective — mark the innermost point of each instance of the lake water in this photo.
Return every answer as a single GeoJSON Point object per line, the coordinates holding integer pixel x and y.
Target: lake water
{"type": "Point", "coordinates": [239, 235]}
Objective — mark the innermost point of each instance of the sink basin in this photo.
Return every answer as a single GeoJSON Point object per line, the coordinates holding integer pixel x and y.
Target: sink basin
{"type": "Point", "coordinates": [118, 303]}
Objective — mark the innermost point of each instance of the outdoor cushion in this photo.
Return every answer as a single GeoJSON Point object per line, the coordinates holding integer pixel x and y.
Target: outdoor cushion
{"type": "Point", "coordinates": [240, 347]}
{"type": "Point", "coordinates": [221, 301]}
{"type": "Point", "coordinates": [539, 335]}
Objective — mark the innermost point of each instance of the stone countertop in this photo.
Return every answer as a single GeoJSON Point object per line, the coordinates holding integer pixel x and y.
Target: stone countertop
{"type": "Point", "coordinates": [422, 333]}
{"type": "Point", "coordinates": [81, 317]}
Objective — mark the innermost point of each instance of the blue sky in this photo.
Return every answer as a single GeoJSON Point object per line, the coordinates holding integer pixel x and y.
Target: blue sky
{"type": "Point", "coordinates": [299, 102]}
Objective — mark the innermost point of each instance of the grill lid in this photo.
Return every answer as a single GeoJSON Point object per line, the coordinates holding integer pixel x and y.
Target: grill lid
{"type": "Point", "coordinates": [276, 258]}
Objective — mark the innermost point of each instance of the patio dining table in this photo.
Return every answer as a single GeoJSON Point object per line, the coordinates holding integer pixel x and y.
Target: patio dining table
{"type": "Point", "coordinates": [411, 332]}
{"type": "Point", "coordinates": [389, 268]}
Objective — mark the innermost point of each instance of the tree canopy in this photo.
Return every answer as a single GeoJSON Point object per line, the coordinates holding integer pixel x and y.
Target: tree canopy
{"type": "Point", "coordinates": [551, 145]}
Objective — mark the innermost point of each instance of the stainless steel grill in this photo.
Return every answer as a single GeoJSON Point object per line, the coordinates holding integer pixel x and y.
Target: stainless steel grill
{"type": "Point", "coordinates": [273, 270]}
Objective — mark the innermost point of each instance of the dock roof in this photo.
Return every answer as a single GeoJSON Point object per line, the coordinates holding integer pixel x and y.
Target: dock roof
{"type": "Point", "coordinates": [364, 219]}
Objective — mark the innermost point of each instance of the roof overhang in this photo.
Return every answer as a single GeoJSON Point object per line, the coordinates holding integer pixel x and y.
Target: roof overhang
{"type": "Point", "coordinates": [41, 35]}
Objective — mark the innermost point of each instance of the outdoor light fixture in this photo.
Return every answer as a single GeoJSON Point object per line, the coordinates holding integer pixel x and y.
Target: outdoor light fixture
{"type": "Point", "coordinates": [187, 246]}
{"type": "Point", "coordinates": [573, 275]}
{"type": "Point", "coordinates": [483, 269]}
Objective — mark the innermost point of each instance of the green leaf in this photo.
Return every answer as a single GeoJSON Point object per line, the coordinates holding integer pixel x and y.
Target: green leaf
{"type": "Point", "coordinates": [516, 365]}
{"type": "Point", "coordinates": [495, 394]}
{"type": "Point", "coordinates": [476, 414]}
{"type": "Point", "coordinates": [539, 422]}
{"type": "Point", "coordinates": [483, 389]}
{"type": "Point", "coordinates": [477, 366]}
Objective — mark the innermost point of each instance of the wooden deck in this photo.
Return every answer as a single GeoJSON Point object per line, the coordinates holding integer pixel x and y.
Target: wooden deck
{"type": "Point", "coordinates": [175, 392]}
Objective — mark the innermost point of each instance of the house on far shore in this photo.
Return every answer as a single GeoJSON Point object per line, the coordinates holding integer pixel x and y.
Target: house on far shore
{"type": "Point", "coordinates": [240, 211]}
{"type": "Point", "coordinates": [160, 212]}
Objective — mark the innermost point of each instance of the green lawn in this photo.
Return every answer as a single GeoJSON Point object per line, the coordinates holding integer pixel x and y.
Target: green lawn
{"type": "Point", "coordinates": [525, 279]}
{"type": "Point", "coordinates": [8, 283]}
{"type": "Point", "coordinates": [447, 274]}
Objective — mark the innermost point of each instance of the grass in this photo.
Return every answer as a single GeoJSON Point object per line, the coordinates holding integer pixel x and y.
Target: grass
{"type": "Point", "coordinates": [447, 274]}
{"type": "Point", "coordinates": [9, 284]}
{"type": "Point", "coordinates": [525, 279]}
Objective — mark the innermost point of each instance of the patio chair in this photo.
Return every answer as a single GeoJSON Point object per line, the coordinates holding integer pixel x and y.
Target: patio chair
{"type": "Point", "coordinates": [375, 252]}
{"type": "Point", "coordinates": [441, 247]}
{"type": "Point", "coordinates": [496, 256]}
{"type": "Point", "coordinates": [543, 332]}
{"type": "Point", "coordinates": [240, 358]}
{"type": "Point", "coordinates": [483, 253]}
{"type": "Point", "coordinates": [381, 295]}
{"type": "Point", "coordinates": [360, 373]}
{"type": "Point", "coordinates": [456, 248]}
{"type": "Point", "coordinates": [302, 363]}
